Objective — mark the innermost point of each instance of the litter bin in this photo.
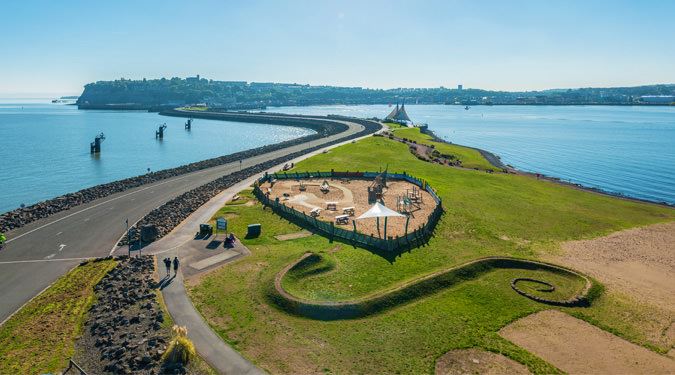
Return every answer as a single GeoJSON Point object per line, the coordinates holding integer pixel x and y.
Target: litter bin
{"type": "Point", "coordinates": [205, 229]}
{"type": "Point", "coordinates": [253, 230]}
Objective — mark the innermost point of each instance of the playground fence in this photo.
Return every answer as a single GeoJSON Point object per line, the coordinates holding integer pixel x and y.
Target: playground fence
{"type": "Point", "coordinates": [418, 237]}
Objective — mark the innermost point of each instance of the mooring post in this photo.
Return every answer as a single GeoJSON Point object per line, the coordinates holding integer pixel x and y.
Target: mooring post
{"type": "Point", "coordinates": [95, 146]}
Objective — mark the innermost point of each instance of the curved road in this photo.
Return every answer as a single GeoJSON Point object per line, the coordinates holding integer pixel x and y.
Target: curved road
{"type": "Point", "coordinates": [38, 253]}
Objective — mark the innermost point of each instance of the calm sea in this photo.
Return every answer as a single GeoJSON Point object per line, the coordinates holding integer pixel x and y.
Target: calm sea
{"type": "Point", "coordinates": [44, 147]}
{"type": "Point", "coordinates": [625, 150]}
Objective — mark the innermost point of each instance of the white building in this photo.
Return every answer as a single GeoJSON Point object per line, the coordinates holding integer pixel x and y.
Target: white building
{"type": "Point", "coordinates": [657, 99]}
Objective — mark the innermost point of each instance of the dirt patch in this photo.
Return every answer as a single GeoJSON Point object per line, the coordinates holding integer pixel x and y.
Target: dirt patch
{"type": "Point", "coordinates": [476, 361]}
{"type": "Point", "coordinates": [639, 262]}
{"type": "Point", "coordinates": [577, 347]}
{"type": "Point", "coordinates": [293, 236]}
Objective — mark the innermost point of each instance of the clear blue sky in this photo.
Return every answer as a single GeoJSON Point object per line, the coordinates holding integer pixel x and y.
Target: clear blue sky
{"type": "Point", "coordinates": [58, 46]}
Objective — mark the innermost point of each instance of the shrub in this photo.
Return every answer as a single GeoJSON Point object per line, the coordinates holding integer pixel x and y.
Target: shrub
{"type": "Point", "coordinates": [180, 350]}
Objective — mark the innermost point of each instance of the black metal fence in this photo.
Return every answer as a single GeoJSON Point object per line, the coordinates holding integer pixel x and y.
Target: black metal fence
{"type": "Point", "coordinates": [417, 237]}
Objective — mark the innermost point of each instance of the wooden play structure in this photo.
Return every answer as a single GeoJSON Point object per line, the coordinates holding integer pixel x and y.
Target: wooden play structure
{"type": "Point", "coordinates": [376, 189]}
{"type": "Point", "coordinates": [410, 202]}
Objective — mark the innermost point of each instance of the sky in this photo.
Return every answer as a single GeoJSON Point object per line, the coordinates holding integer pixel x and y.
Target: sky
{"type": "Point", "coordinates": [56, 47]}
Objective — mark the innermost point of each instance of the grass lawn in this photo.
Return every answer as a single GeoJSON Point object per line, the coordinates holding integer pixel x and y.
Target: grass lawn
{"type": "Point", "coordinates": [394, 125]}
{"type": "Point", "coordinates": [194, 108]}
{"type": "Point", "coordinates": [486, 214]}
{"type": "Point", "coordinates": [40, 337]}
{"type": "Point", "coordinates": [470, 158]}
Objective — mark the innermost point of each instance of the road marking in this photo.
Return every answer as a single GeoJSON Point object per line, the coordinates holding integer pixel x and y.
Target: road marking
{"type": "Point", "coordinates": [61, 246]}
{"type": "Point", "coordinates": [102, 203]}
{"type": "Point", "coordinates": [50, 256]}
{"type": "Point", "coordinates": [87, 219]}
{"type": "Point", "coordinates": [58, 234]}
{"type": "Point", "coordinates": [43, 260]}
{"type": "Point", "coordinates": [111, 208]}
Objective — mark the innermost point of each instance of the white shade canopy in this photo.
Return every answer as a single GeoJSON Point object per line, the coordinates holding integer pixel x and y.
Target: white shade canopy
{"type": "Point", "coordinates": [379, 210]}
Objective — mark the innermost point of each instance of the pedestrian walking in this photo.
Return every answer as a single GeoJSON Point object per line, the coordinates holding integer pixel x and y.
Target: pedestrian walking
{"type": "Point", "coordinates": [167, 264]}
{"type": "Point", "coordinates": [175, 266]}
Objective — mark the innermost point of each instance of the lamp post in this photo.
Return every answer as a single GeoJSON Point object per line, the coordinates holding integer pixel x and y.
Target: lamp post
{"type": "Point", "coordinates": [128, 239]}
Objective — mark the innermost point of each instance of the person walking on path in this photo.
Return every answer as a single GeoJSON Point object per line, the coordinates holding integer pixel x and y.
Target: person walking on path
{"type": "Point", "coordinates": [175, 266]}
{"type": "Point", "coordinates": [167, 264]}
{"type": "Point", "coordinates": [2, 240]}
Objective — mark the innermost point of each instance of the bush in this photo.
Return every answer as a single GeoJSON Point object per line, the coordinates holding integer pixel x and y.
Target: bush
{"type": "Point", "coordinates": [180, 350]}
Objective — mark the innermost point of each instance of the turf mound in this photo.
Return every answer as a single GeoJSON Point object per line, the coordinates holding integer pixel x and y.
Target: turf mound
{"type": "Point", "coordinates": [311, 263]}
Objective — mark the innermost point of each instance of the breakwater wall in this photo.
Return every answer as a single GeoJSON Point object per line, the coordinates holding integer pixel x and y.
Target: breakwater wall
{"type": "Point", "coordinates": [22, 216]}
{"type": "Point", "coordinates": [169, 215]}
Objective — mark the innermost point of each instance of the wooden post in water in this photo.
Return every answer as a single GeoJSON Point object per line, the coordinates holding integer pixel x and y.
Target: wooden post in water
{"type": "Point", "coordinates": [95, 146]}
{"type": "Point", "coordinates": [160, 131]}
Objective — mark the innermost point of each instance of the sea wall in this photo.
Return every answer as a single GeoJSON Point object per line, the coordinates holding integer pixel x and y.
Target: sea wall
{"type": "Point", "coordinates": [324, 127]}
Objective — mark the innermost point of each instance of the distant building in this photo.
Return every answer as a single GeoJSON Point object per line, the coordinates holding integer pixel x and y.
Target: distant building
{"type": "Point", "coordinates": [399, 115]}
{"type": "Point", "coordinates": [193, 79]}
{"type": "Point", "coordinates": [657, 99]}
{"type": "Point", "coordinates": [460, 87]}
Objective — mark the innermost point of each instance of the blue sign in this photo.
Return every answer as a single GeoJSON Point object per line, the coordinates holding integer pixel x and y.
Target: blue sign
{"type": "Point", "coordinates": [221, 223]}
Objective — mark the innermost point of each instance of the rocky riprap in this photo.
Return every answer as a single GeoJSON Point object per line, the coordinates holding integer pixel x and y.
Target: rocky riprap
{"type": "Point", "coordinates": [169, 215]}
{"type": "Point", "coordinates": [26, 215]}
{"type": "Point", "coordinates": [124, 332]}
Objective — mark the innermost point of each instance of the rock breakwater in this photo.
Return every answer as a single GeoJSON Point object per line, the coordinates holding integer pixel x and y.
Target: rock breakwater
{"type": "Point", "coordinates": [124, 332]}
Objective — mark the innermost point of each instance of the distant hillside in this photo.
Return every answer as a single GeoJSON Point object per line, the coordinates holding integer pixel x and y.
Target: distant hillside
{"type": "Point", "coordinates": [163, 93]}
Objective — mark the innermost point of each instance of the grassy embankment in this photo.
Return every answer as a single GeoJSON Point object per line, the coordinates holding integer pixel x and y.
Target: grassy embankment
{"type": "Point", "coordinates": [470, 158]}
{"type": "Point", "coordinates": [194, 108]}
{"type": "Point", "coordinates": [486, 214]}
{"type": "Point", "coordinates": [40, 337]}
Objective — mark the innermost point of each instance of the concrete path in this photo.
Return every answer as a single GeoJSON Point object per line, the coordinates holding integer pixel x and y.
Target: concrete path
{"type": "Point", "coordinates": [210, 347]}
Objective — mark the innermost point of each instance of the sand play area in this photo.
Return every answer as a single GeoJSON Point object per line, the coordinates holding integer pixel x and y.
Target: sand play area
{"type": "Point", "coordinates": [476, 361]}
{"type": "Point", "coordinates": [577, 347]}
{"type": "Point", "coordinates": [353, 193]}
{"type": "Point", "coordinates": [639, 262]}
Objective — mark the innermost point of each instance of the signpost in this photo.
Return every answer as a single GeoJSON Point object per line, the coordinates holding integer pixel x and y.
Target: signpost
{"type": "Point", "coordinates": [221, 223]}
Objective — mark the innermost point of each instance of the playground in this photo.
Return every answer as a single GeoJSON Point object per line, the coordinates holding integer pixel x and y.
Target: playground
{"type": "Point", "coordinates": [343, 200]}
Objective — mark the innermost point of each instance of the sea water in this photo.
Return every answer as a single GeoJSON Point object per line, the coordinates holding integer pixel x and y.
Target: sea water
{"type": "Point", "coordinates": [44, 147]}
{"type": "Point", "coordinates": [619, 149]}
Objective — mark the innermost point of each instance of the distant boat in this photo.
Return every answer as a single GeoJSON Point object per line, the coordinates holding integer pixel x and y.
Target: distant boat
{"type": "Point", "coordinates": [466, 108]}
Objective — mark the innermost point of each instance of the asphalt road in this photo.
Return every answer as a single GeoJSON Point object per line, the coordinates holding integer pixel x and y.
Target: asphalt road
{"type": "Point", "coordinates": [38, 253]}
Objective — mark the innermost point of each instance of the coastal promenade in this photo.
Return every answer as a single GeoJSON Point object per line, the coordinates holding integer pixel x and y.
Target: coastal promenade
{"type": "Point", "coordinates": [40, 252]}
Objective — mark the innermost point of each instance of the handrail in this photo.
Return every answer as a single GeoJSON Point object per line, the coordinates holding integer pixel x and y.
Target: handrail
{"type": "Point", "coordinates": [72, 364]}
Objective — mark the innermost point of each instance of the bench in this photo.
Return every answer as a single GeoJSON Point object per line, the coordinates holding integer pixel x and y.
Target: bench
{"type": "Point", "coordinates": [331, 206]}
{"type": "Point", "coordinates": [342, 219]}
{"type": "Point", "coordinates": [315, 212]}
{"type": "Point", "coordinates": [348, 211]}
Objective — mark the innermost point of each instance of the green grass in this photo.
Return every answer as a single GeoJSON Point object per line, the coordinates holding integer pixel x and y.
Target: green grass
{"type": "Point", "coordinates": [40, 337]}
{"type": "Point", "coordinates": [194, 108]}
{"type": "Point", "coordinates": [470, 158]}
{"type": "Point", "coordinates": [394, 125]}
{"type": "Point", "coordinates": [486, 214]}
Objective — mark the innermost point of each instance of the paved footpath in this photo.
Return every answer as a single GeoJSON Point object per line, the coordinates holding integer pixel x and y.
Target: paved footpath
{"type": "Point", "coordinates": [180, 242]}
